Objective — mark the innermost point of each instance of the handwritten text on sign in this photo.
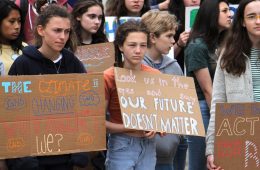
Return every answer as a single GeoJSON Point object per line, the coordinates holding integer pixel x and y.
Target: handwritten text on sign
{"type": "Point", "coordinates": [159, 102]}
{"type": "Point", "coordinates": [96, 57]}
{"type": "Point", "coordinates": [237, 144]}
{"type": "Point", "coordinates": [51, 115]}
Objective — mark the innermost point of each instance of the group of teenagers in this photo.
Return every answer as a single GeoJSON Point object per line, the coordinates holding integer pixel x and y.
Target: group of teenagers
{"type": "Point", "coordinates": [221, 53]}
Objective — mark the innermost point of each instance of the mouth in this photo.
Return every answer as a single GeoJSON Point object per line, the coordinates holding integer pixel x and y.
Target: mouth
{"type": "Point", "coordinates": [60, 44]}
{"type": "Point", "coordinates": [136, 6]}
{"type": "Point", "coordinates": [15, 34]}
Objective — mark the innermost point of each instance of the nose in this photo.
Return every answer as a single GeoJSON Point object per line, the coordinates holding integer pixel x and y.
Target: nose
{"type": "Point", "coordinates": [17, 25]}
{"type": "Point", "coordinates": [97, 20]}
{"type": "Point", "coordinates": [172, 41]}
{"type": "Point", "coordinates": [62, 35]}
{"type": "Point", "coordinates": [137, 49]}
{"type": "Point", "coordinates": [258, 19]}
{"type": "Point", "coordinates": [229, 14]}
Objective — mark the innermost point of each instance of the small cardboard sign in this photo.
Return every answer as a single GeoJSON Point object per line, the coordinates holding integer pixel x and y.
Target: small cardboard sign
{"type": "Point", "coordinates": [51, 114]}
{"type": "Point", "coordinates": [237, 140]}
{"type": "Point", "coordinates": [97, 57]}
{"type": "Point", "coordinates": [158, 102]}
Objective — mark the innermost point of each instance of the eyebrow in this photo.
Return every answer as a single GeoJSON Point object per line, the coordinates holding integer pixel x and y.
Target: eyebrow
{"type": "Point", "coordinates": [252, 13]}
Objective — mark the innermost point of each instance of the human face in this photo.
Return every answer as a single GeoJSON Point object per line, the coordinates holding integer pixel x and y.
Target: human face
{"type": "Point", "coordinates": [134, 48]}
{"type": "Point", "coordinates": [11, 26]}
{"type": "Point", "coordinates": [55, 34]}
{"type": "Point", "coordinates": [134, 7]}
{"type": "Point", "coordinates": [224, 18]}
{"type": "Point", "coordinates": [252, 20]}
{"type": "Point", "coordinates": [164, 42]}
{"type": "Point", "coordinates": [191, 3]}
{"type": "Point", "coordinates": [91, 20]}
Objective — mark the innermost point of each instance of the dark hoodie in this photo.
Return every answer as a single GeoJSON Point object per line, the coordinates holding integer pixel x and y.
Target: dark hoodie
{"type": "Point", "coordinates": [32, 62]}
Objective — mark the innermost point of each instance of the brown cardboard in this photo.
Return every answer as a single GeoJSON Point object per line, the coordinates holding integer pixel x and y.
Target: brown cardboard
{"type": "Point", "coordinates": [237, 140]}
{"type": "Point", "coordinates": [51, 114]}
{"type": "Point", "coordinates": [97, 57]}
{"type": "Point", "coordinates": [140, 95]}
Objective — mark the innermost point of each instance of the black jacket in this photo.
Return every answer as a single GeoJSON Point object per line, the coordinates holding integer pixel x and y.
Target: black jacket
{"type": "Point", "coordinates": [32, 62]}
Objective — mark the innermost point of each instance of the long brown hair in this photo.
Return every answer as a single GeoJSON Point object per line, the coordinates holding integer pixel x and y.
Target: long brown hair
{"type": "Point", "coordinates": [238, 44]}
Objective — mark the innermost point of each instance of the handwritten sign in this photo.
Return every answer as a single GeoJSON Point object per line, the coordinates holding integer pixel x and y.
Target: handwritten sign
{"type": "Point", "coordinates": [159, 102]}
{"type": "Point", "coordinates": [97, 57]}
{"type": "Point", "coordinates": [237, 142]}
{"type": "Point", "coordinates": [51, 115]}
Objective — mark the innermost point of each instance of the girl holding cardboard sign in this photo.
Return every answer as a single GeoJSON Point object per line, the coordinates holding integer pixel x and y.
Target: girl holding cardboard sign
{"type": "Point", "coordinates": [127, 149]}
{"type": "Point", "coordinates": [237, 74]}
{"type": "Point", "coordinates": [49, 56]}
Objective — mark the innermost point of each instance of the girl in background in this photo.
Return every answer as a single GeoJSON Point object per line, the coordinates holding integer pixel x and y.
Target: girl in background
{"type": "Point", "coordinates": [127, 148]}
{"type": "Point", "coordinates": [119, 8]}
{"type": "Point", "coordinates": [237, 74]}
{"type": "Point", "coordinates": [89, 19]}
{"type": "Point", "coordinates": [212, 21]}
{"type": "Point", "coordinates": [10, 34]}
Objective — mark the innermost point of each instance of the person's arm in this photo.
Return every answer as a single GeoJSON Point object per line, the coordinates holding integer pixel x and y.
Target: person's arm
{"type": "Point", "coordinates": [205, 83]}
{"type": "Point", "coordinates": [218, 95]}
{"type": "Point", "coordinates": [161, 6]}
{"type": "Point", "coordinates": [164, 5]}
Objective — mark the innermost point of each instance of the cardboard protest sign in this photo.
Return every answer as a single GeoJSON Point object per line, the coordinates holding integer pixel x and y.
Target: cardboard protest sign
{"type": "Point", "coordinates": [237, 140]}
{"type": "Point", "coordinates": [97, 57]}
{"type": "Point", "coordinates": [158, 102]}
{"type": "Point", "coordinates": [51, 114]}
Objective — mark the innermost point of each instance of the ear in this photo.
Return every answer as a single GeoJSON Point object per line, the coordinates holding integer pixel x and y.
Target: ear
{"type": "Point", "coordinates": [152, 38]}
{"type": "Point", "coordinates": [78, 18]}
{"type": "Point", "coordinates": [243, 23]}
{"type": "Point", "coordinates": [120, 48]}
{"type": "Point", "coordinates": [40, 30]}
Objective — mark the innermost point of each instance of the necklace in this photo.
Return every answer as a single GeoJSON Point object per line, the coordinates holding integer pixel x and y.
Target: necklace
{"type": "Point", "coordinates": [57, 69]}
